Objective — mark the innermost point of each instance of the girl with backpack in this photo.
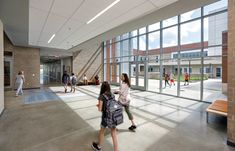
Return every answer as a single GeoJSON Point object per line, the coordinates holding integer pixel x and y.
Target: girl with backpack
{"type": "Point", "coordinates": [124, 98]}
{"type": "Point", "coordinates": [105, 95]}
{"type": "Point", "coordinates": [73, 82]}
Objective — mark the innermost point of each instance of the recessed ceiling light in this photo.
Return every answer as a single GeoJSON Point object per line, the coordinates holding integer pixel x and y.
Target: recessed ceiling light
{"type": "Point", "coordinates": [103, 11]}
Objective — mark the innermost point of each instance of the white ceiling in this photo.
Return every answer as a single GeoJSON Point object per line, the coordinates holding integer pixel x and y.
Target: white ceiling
{"type": "Point", "coordinates": [67, 19]}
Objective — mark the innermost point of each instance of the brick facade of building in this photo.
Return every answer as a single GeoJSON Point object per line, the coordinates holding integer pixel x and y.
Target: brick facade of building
{"type": "Point", "coordinates": [25, 59]}
{"type": "Point", "coordinates": [231, 72]}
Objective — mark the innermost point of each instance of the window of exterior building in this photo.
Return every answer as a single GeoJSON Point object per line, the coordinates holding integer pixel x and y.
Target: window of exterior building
{"type": "Point", "coordinates": [215, 7]}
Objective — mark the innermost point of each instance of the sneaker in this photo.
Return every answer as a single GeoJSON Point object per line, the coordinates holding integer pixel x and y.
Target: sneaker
{"type": "Point", "coordinates": [95, 147]}
{"type": "Point", "coordinates": [132, 127]}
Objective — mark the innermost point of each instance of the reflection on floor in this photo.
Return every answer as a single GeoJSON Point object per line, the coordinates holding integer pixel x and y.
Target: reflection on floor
{"type": "Point", "coordinates": [50, 120]}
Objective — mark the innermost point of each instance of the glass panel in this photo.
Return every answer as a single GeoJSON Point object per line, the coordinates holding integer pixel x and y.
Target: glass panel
{"type": "Point", "coordinates": [190, 15]}
{"type": "Point", "coordinates": [170, 21]}
{"type": "Point", "coordinates": [153, 72]}
{"type": "Point", "coordinates": [215, 7]}
{"type": "Point", "coordinates": [118, 49]}
{"type": "Point", "coordinates": [141, 76]}
{"type": "Point", "coordinates": [125, 36]}
{"type": "Point", "coordinates": [142, 45]}
{"type": "Point", "coordinates": [125, 68]}
{"type": "Point", "coordinates": [134, 33]}
{"type": "Point", "coordinates": [213, 29]}
{"type": "Point", "coordinates": [153, 27]}
{"type": "Point", "coordinates": [190, 75]}
{"type": "Point", "coordinates": [105, 72]}
{"type": "Point", "coordinates": [142, 30]}
{"type": "Point", "coordinates": [125, 48]}
{"type": "Point", "coordinates": [133, 47]}
{"type": "Point", "coordinates": [154, 40]}
{"type": "Point", "coordinates": [118, 38]}
{"type": "Point", "coordinates": [153, 61]}
{"type": "Point", "coordinates": [169, 81]}
{"type": "Point", "coordinates": [41, 74]}
{"type": "Point", "coordinates": [213, 76]}
{"type": "Point", "coordinates": [133, 74]}
{"type": "Point", "coordinates": [170, 36]}
{"type": "Point", "coordinates": [191, 33]}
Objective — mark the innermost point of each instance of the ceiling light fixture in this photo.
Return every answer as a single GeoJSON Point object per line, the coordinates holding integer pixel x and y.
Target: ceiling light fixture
{"type": "Point", "coordinates": [103, 11]}
{"type": "Point", "coordinates": [51, 38]}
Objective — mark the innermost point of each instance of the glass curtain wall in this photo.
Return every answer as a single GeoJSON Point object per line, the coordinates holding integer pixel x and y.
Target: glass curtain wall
{"type": "Point", "coordinates": [183, 56]}
{"type": "Point", "coordinates": [153, 73]}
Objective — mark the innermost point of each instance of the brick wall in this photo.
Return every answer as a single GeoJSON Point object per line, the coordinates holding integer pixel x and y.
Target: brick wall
{"type": "Point", "coordinates": [231, 72]}
{"type": "Point", "coordinates": [1, 69]}
{"type": "Point", "coordinates": [88, 61]}
{"type": "Point", "coordinates": [225, 62]}
{"type": "Point", "coordinates": [26, 59]}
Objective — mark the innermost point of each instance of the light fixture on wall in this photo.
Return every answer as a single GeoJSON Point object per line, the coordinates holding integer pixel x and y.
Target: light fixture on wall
{"type": "Point", "coordinates": [51, 38]}
{"type": "Point", "coordinates": [103, 11]}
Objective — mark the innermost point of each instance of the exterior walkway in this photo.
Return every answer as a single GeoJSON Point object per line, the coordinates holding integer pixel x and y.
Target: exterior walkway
{"type": "Point", "coordinates": [49, 120]}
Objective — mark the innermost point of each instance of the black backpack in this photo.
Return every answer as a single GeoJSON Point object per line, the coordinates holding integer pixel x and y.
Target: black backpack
{"type": "Point", "coordinates": [65, 78]}
{"type": "Point", "coordinates": [113, 111]}
{"type": "Point", "coordinates": [74, 81]}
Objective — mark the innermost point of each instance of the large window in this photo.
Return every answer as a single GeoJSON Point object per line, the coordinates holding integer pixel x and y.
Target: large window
{"type": "Point", "coordinates": [185, 49]}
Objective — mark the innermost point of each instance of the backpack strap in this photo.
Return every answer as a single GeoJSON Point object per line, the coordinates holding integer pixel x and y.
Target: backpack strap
{"type": "Point", "coordinates": [105, 96]}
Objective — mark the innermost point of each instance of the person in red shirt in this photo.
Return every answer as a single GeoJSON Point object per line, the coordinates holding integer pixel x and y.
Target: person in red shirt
{"type": "Point", "coordinates": [186, 78]}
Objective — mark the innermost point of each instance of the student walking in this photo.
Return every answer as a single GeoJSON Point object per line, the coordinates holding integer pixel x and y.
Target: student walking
{"type": "Point", "coordinates": [172, 81]}
{"type": "Point", "coordinates": [73, 82]}
{"type": "Point", "coordinates": [103, 106]}
{"type": "Point", "coordinates": [186, 78]}
{"type": "Point", "coordinates": [85, 79]}
{"type": "Point", "coordinates": [124, 99]}
{"type": "Point", "coordinates": [166, 78]}
{"type": "Point", "coordinates": [19, 81]}
{"type": "Point", "coordinates": [65, 80]}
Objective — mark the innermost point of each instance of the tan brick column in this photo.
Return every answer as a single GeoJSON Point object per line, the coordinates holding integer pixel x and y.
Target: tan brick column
{"type": "Point", "coordinates": [231, 72]}
{"type": "Point", "coordinates": [114, 79]}
{"type": "Point", "coordinates": [108, 61]}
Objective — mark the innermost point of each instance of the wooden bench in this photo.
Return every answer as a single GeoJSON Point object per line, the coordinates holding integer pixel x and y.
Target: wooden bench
{"type": "Point", "coordinates": [219, 107]}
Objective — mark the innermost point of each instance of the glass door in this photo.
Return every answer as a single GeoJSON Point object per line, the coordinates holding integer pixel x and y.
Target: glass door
{"type": "Point", "coordinates": [137, 75]}
{"type": "Point", "coordinates": [133, 74]}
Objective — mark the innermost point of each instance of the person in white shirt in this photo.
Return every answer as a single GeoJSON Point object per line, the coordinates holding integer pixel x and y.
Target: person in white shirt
{"type": "Point", "coordinates": [124, 98]}
{"type": "Point", "coordinates": [19, 81]}
{"type": "Point", "coordinates": [85, 79]}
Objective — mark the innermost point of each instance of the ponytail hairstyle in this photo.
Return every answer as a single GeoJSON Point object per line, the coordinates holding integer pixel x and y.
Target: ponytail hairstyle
{"type": "Point", "coordinates": [126, 79]}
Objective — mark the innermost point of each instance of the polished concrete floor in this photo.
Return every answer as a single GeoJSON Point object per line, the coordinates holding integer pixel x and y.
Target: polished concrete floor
{"type": "Point", "coordinates": [49, 120]}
